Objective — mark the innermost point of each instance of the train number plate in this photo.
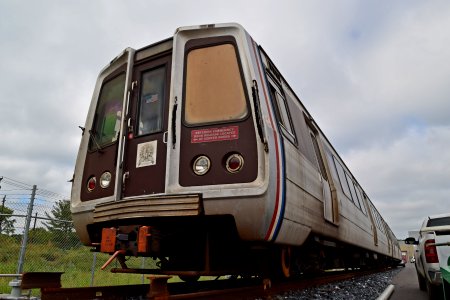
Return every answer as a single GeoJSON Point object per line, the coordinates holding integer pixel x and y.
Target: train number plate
{"type": "Point", "coordinates": [208, 135]}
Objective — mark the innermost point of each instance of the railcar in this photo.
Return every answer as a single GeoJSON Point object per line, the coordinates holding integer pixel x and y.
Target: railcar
{"type": "Point", "coordinates": [198, 153]}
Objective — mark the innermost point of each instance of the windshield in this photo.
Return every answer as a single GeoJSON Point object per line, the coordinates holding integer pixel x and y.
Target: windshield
{"type": "Point", "coordinates": [214, 90]}
{"type": "Point", "coordinates": [439, 222]}
{"type": "Point", "coordinates": [109, 113]}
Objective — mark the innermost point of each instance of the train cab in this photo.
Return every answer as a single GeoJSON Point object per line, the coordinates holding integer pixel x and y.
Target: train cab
{"type": "Point", "coordinates": [173, 151]}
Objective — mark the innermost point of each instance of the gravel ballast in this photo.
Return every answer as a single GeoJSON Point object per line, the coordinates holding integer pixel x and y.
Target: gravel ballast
{"type": "Point", "coordinates": [366, 287]}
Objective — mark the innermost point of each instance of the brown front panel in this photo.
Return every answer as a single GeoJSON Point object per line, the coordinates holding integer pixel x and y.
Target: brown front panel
{"type": "Point", "coordinates": [103, 136]}
{"type": "Point", "coordinates": [96, 163]}
{"type": "Point", "coordinates": [217, 151]}
{"type": "Point", "coordinates": [145, 150]}
{"type": "Point", "coordinates": [217, 120]}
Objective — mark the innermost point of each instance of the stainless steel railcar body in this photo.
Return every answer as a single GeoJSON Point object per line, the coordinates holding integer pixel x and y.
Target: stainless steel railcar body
{"type": "Point", "coordinates": [210, 99]}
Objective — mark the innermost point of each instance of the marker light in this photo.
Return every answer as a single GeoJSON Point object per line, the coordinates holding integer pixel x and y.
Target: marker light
{"type": "Point", "coordinates": [201, 165]}
{"type": "Point", "coordinates": [234, 163]}
{"type": "Point", "coordinates": [105, 179]}
{"type": "Point", "coordinates": [92, 183]}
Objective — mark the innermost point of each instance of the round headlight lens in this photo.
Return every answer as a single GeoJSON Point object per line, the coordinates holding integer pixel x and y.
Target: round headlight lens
{"type": "Point", "coordinates": [234, 163]}
{"type": "Point", "coordinates": [92, 183]}
{"type": "Point", "coordinates": [105, 180]}
{"type": "Point", "coordinates": [201, 165]}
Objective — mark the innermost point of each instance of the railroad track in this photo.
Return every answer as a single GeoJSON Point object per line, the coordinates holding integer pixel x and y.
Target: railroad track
{"type": "Point", "coordinates": [250, 288]}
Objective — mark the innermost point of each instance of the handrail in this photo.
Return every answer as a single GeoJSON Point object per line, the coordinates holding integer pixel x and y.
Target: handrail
{"type": "Point", "coordinates": [11, 275]}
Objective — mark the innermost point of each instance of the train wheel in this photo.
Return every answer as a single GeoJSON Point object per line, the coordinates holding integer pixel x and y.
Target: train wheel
{"type": "Point", "coordinates": [286, 261]}
{"type": "Point", "coordinates": [189, 278]}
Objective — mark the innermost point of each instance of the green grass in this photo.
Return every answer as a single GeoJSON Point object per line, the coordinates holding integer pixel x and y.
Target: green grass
{"type": "Point", "coordinates": [75, 263]}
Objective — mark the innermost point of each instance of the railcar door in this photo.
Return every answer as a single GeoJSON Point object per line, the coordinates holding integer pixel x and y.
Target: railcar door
{"type": "Point", "coordinates": [330, 203]}
{"type": "Point", "coordinates": [101, 139]}
{"type": "Point", "coordinates": [371, 211]}
{"type": "Point", "coordinates": [147, 119]}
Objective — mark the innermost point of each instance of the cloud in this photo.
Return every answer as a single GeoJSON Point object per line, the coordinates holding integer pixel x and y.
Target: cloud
{"type": "Point", "coordinates": [373, 75]}
{"type": "Point", "coordinates": [407, 180]}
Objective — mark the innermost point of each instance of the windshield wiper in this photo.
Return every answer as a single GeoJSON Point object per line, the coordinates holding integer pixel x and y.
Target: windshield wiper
{"type": "Point", "coordinates": [94, 140]}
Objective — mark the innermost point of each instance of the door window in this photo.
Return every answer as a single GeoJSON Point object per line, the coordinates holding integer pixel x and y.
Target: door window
{"type": "Point", "coordinates": [151, 101]}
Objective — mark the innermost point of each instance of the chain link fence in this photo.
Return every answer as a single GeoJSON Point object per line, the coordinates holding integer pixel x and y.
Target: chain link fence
{"type": "Point", "coordinates": [37, 235]}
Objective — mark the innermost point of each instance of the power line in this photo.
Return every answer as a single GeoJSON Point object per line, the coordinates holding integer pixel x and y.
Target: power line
{"type": "Point", "coordinates": [16, 186]}
{"type": "Point", "coordinates": [15, 182]}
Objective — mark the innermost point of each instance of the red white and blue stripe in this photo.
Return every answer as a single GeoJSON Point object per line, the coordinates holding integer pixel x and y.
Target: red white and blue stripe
{"type": "Point", "coordinates": [278, 212]}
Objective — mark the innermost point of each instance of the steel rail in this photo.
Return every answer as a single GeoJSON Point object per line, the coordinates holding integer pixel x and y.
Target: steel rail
{"type": "Point", "coordinates": [214, 289]}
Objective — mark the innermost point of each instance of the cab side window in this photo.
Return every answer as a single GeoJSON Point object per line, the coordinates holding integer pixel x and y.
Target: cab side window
{"type": "Point", "coordinates": [282, 112]}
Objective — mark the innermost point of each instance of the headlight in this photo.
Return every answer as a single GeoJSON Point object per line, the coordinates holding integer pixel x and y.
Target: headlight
{"type": "Point", "coordinates": [105, 180]}
{"type": "Point", "coordinates": [201, 165]}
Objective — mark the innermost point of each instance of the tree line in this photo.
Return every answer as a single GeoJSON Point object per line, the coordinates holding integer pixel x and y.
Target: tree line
{"type": "Point", "coordinates": [57, 228]}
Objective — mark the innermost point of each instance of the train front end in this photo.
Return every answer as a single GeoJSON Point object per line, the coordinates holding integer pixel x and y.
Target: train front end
{"type": "Point", "coordinates": [173, 161]}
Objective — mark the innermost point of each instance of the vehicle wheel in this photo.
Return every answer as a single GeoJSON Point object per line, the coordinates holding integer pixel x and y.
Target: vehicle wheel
{"type": "Point", "coordinates": [435, 292]}
{"type": "Point", "coordinates": [187, 278]}
{"type": "Point", "coordinates": [281, 260]}
{"type": "Point", "coordinates": [422, 282]}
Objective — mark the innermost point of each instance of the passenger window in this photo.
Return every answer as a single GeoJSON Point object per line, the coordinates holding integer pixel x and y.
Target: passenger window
{"type": "Point", "coordinates": [319, 157]}
{"type": "Point", "coordinates": [360, 199]}
{"type": "Point", "coordinates": [357, 198]}
{"type": "Point", "coordinates": [342, 179]}
{"type": "Point", "coordinates": [109, 113]}
{"type": "Point", "coordinates": [352, 190]}
{"type": "Point", "coordinates": [377, 218]}
{"type": "Point", "coordinates": [383, 227]}
{"type": "Point", "coordinates": [151, 101]}
{"type": "Point", "coordinates": [375, 214]}
{"type": "Point", "coordinates": [331, 164]}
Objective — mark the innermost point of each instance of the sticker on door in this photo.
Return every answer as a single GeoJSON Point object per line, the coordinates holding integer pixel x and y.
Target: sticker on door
{"type": "Point", "coordinates": [146, 154]}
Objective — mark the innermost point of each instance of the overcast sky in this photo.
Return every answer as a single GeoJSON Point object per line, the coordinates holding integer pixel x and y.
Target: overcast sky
{"type": "Point", "coordinates": [375, 75]}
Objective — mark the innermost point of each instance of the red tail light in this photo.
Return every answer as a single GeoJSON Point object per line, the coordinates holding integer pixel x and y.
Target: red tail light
{"type": "Point", "coordinates": [431, 252]}
{"type": "Point", "coordinates": [234, 163]}
{"type": "Point", "coordinates": [92, 183]}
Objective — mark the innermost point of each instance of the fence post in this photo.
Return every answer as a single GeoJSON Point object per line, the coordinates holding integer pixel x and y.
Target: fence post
{"type": "Point", "coordinates": [1, 212]}
{"type": "Point", "coordinates": [23, 248]}
{"type": "Point", "coordinates": [94, 263]}
{"type": "Point", "coordinates": [16, 290]}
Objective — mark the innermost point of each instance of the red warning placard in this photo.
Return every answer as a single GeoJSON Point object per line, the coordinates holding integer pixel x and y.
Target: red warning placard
{"type": "Point", "coordinates": [215, 134]}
